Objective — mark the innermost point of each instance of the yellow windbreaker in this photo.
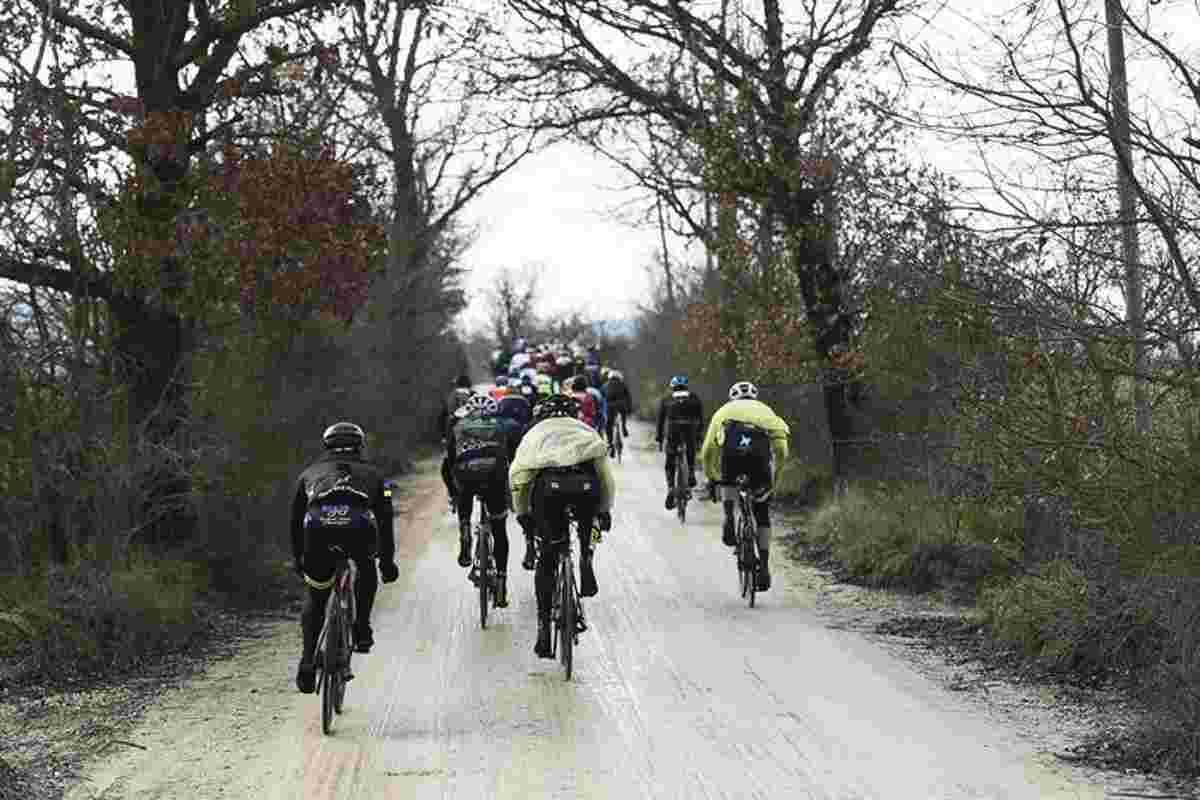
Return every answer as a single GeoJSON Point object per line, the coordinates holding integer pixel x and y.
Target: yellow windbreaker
{"type": "Point", "coordinates": [752, 412]}
{"type": "Point", "coordinates": [559, 442]}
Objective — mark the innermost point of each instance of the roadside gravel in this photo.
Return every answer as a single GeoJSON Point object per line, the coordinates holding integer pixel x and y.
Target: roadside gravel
{"type": "Point", "coordinates": [1075, 724]}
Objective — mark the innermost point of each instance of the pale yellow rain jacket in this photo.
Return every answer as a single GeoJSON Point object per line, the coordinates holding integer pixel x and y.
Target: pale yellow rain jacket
{"type": "Point", "coordinates": [559, 442]}
{"type": "Point", "coordinates": [751, 412]}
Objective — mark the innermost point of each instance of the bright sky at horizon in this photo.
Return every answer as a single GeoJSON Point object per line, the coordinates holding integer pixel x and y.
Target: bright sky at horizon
{"type": "Point", "coordinates": [555, 211]}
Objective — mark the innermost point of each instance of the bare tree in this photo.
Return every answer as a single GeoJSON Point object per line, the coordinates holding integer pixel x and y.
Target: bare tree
{"type": "Point", "coordinates": [775, 70]}
{"type": "Point", "coordinates": [511, 300]}
{"type": "Point", "coordinates": [1051, 104]}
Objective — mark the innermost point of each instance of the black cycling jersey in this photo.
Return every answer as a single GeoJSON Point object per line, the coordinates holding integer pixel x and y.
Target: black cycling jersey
{"type": "Point", "coordinates": [361, 475]}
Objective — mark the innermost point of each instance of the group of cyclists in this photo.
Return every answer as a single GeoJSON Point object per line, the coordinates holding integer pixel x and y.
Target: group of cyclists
{"type": "Point", "coordinates": [539, 454]}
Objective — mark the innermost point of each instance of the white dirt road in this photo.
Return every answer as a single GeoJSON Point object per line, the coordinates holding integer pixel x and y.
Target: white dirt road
{"type": "Point", "coordinates": [680, 691]}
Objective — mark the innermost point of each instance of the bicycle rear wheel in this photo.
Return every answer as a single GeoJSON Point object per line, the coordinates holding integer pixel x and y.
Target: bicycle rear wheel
{"type": "Point", "coordinates": [682, 492]}
{"type": "Point", "coordinates": [566, 630]}
{"type": "Point", "coordinates": [347, 650]}
{"type": "Point", "coordinates": [483, 558]}
{"type": "Point", "coordinates": [330, 669]}
{"type": "Point", "coordinates": [618, 440]}
{"type": "Point", "coordinates": [749, 559]}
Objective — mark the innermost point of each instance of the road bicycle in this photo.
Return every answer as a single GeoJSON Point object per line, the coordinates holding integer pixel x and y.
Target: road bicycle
{"type": "Point", "coordinates": [335, 643]}
{"type": "Point", "coordinates": [566, 610]}
{"type": "Point", "coordinates": [483, 569]}
{"type": "Point", "coordinates": [746, 534]}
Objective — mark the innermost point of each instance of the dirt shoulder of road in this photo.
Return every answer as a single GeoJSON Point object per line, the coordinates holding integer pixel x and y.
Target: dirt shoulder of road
{"type": "Point", "coordinates": [1078, 725]}
{"type": "Point", "coordinates": [53, 737]}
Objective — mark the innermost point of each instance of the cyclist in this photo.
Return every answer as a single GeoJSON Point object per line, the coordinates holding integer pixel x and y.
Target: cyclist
{"type": "Point", "coordinates": [620, 403]}
{"type": "Point", "coordinates": [341, 477]}
{"type": "Point", "coordinates": [453, 409]}
{"type": "Point", "coordinates": [680, 418]}
{"type": "Point", "coordinates": [515, 407]}
{"type": "Point", "coordinates": [601, 419]}
{"type": "Point", "coordinates": [558, 439]}
{"type": "Point", "coordinates": [479, 448]}
{"type": "Point", "coordinates": [527, 390]}
{"type": "Point", "coordinates": [545, 387]}
{"type": "Point", "coordinates": [589, 411]}
{"type": "Point", "coordinates": [500, 389]}
{"type": "Point", "coordinates": [745, 437]}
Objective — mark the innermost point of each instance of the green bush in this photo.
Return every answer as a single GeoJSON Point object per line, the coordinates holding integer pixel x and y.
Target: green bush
{"type": "Point", "coordinates": [1062, 617]}
{"type": "Point", "coordinates": [91, 618]}
{"type": "Point", "coordinates": [905, 538]}
{"type": "Point", "coordinates": [802, 482]}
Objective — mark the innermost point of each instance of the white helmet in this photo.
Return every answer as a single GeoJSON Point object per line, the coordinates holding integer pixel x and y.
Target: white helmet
{"type": "Point", "coordinates": [743, 390]}
{"type": "Point", "coordinates": [482, 404]}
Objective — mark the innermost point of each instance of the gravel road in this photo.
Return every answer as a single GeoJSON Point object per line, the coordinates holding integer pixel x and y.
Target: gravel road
{"type": "Point", "coordinates": [680, 691]}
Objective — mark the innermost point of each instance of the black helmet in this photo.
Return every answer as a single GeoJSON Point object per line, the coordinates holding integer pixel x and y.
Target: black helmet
{"type": "Point", "coordinates": [463, 382]}
{"type": "Point", "coordinates": [580, 384]}
{"type": "Point", "coordinates": [556, 405]}
{"type": "Point", "coordinates": [343, 436]}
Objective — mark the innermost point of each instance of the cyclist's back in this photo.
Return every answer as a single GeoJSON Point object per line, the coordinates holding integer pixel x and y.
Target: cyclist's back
{"type": "Point", "coordinates": [680, 417]}
{"type": "Point", "coordinates": [340, 499]}
{"type": "Point", "coordinates": [561, 463]}
{"type": "Point", "coordinates": [745, 437]}
{"type": "Point", "coordinates": [479, 448]}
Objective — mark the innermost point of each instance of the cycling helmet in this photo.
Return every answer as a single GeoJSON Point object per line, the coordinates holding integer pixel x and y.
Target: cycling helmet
{"type": "Point", "coordinates": [482, 404]}
{"type": "Point", "coordinates": [679, 382]}
{"type": "Point", "coordinates": [580, 384]}
{"type": "Point", "coordinates": [502, 380]}
{"type": "Point", "coordinates": [463, 382]}
{"type": "Point", "coordinates": [743, 390]}
{"type": "Point", "coordinates": [615, 375]}
{"type": "Point", "coordinates": [343, 436]}
{"type": "Point", "coordinates": [556, 405]}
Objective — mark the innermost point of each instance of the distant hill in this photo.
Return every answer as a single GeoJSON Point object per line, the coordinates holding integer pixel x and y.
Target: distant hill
{"type": "Point", "coordinates": [616, 328]}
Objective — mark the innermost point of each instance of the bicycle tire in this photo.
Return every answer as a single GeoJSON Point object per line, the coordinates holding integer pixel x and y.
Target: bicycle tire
{"type": "Point", "coordinates": [751, 558]}
{"type": "Point", "coordinates": [331, 671]}
{"type": "Point", "coordinates": [618, 440]}
{"type": "Point", "coordinates": [347, 650]}
{"type": "Point", "coordinates": [483, 556]}
{"type": "Point", "coordinates": [681, 489]}
{"type": "Point", "coordinates": [567, 630]}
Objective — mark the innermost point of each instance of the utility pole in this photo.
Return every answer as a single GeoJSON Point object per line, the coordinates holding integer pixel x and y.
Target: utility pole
{"type": "Point", "coordinates": [1119, 133]}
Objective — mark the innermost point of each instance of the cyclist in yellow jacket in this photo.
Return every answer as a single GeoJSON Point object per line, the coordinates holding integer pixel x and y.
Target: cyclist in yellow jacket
{"type": "Point", "coordinates": [745, 437]}
{"type": "Point", "coordinates": [561, 463]}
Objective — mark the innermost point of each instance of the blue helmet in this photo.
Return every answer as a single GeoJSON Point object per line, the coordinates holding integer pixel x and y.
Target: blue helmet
{"type": "Point", "coordinates": [679, 381]}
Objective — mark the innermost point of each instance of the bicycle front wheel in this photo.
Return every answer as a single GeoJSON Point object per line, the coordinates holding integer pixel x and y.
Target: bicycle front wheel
{"type": "Point", "coordinates": [567, 602]}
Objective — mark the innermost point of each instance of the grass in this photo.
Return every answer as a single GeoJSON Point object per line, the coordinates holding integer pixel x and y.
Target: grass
{"type": "Point", "coordinates": [94, 617]}
{"type": "Point", "coordinates": [903, 538]}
